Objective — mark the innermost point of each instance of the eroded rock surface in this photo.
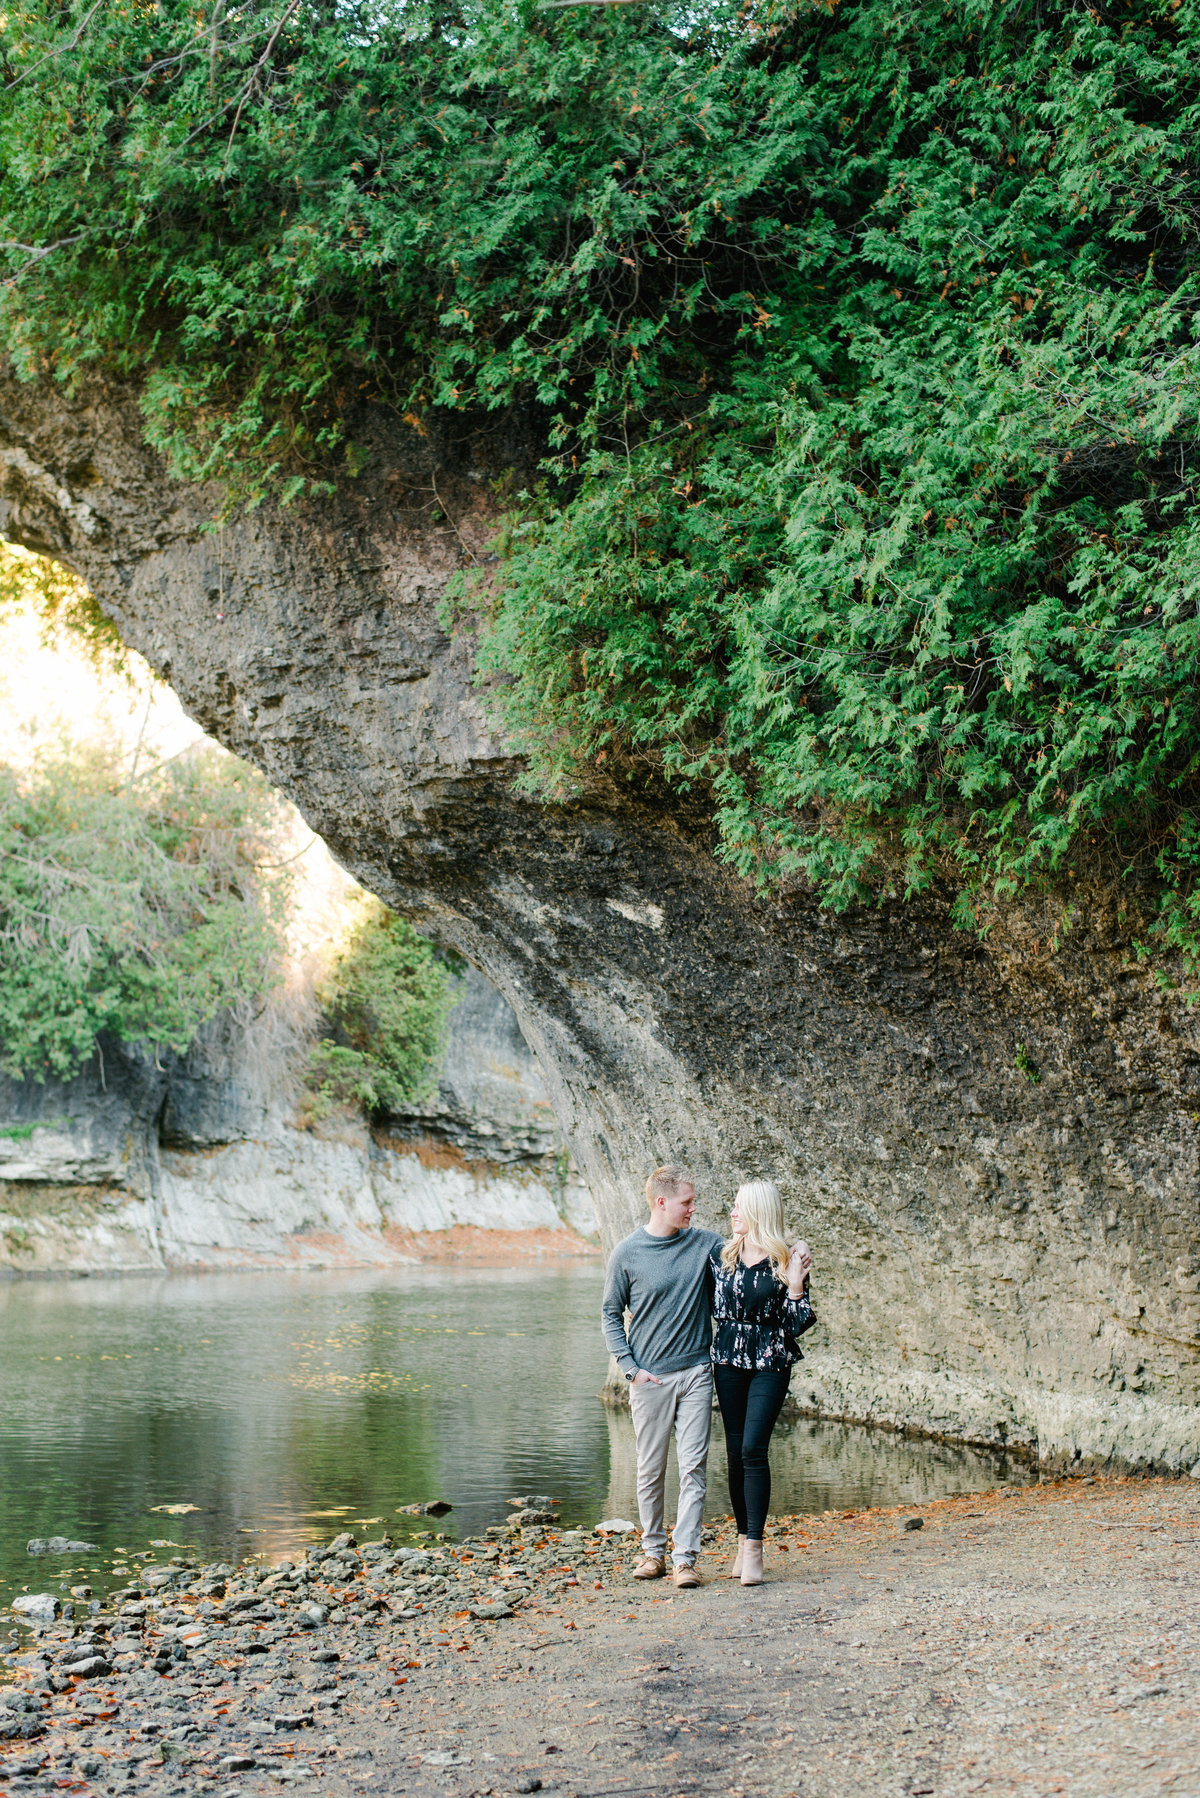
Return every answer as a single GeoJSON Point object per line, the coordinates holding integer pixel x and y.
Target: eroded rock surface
{"type": "Point", "coordinates": [200, 1161]}
{"type": "Point", "coordinates": [996, 1259]}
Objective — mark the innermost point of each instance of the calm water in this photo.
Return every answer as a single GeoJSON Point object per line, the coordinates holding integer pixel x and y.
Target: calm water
{"type": "Point", "coordinates": [285, 1407]}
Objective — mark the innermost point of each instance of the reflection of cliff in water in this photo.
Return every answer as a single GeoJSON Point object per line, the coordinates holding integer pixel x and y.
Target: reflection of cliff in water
{"type": "Point", "coordinates": [818, 1466]}
{"type": "Point", "coordinates": [289, 1406]}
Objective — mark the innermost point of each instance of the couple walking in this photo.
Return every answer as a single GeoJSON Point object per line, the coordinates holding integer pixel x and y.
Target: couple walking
{"type": "Point", "coordinates": [674, 1282]}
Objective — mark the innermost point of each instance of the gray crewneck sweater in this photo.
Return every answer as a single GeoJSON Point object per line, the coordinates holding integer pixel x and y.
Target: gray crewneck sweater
{"type": "Point", "coordinates": [665, 1284]}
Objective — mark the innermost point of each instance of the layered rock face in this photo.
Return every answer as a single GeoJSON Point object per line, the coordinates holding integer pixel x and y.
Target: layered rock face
{"type": "Point", "coordinates": [199, 1162]}
{"type": "Point", "coordinates": [996, 1258]}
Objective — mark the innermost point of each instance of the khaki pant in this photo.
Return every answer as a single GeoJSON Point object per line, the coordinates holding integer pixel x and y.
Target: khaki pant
{"type": "Point", "coordinates": [682, 1403]}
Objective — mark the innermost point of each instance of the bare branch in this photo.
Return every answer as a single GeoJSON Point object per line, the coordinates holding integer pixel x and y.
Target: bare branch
{"type": "Point", "coordinates": [213, 47]}
{"type": "Point", "coordinates": [62, 49]}
{"type": "Point", "coordinates": [254, 73]}
{"type": "Point", "coordinates": [180, 56]}
{"type": "Point", "coordinates": [36, 253]}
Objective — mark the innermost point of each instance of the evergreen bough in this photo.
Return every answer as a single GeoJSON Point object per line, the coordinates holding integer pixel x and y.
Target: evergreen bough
{"type": "Point", "coordinates": [862, 337]}
{"type": "Point", "coordinates": [387, 1002]}
{"type": "Point", "coordinates": [134, 908]}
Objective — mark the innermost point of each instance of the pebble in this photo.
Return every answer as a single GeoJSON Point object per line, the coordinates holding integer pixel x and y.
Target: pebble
{"type": "Point", "coordinates": [37, 1604]}
{"type": "Point", "coordinates": [94, 1667]}
{"type": "Point", "coordinates": [380, 1603]}
{"type": "Point", "coordinates": [24, 1768]}
{"type": "Point", "coordinates": [21, 1729]}
{"type": "Point", "coordinates": [59, 1545]}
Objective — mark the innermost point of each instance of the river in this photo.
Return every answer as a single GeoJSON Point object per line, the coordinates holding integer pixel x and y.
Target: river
{"type": "Point", "coordinates": [284, 1407]}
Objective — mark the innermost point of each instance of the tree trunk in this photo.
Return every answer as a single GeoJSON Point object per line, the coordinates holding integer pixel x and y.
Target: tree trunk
{"type": "Point", "coordinates": [996, 1259]}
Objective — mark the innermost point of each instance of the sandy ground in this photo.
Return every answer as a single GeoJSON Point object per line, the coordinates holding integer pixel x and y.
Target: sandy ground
{"type": "Point", "coordinates": [1045, 1640]}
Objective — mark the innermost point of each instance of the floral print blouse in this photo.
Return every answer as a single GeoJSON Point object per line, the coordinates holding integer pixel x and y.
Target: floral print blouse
{"type": "Point", "coordinates": [758, 1323]}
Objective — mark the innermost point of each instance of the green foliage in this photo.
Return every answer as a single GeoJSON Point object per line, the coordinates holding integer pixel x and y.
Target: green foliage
{"type": "Point", "coordinates": [917, 595]}
{"type": "Point", "coordinates": [863, 335]}
{"type": "Point", "coordinates": [386, 1002]}
{"type": "Point", "coordinates": [60, 599]}
{"type": "Point", "coordinates": [138, 910]}
{"type": "Point", "coordinates": [270, 212]}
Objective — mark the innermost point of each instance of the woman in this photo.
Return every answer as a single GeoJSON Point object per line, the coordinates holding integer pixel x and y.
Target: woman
{"type": "Point", "coordinates": [761, 1307]}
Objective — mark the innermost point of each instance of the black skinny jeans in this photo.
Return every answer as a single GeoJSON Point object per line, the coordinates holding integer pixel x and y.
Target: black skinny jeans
{"type": "Point", "coordinates": [750, 1400]}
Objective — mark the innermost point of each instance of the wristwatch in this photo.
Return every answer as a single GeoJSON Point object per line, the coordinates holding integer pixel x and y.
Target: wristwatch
{"type": "Point", "coordinates": [632, 1376]}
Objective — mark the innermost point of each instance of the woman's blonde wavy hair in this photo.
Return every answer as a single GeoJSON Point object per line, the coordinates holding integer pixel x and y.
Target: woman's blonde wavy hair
{"type": "Point", "coordinates": [762, 1214]}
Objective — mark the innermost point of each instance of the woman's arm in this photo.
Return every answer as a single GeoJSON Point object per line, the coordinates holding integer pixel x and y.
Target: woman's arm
{"type": "Point", "coordinates": [799, 1313]}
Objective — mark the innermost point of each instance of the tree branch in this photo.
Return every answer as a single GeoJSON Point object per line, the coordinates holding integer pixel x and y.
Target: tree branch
{"type": "Point", "coordinates": [248, 89]}
{"type": "Point", "coordinates": [35, 254]}
{"type": "Point", "coordinates": [62, 49]}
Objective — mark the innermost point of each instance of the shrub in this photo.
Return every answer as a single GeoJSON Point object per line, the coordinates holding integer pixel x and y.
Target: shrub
{"type": "Point", "coordinates": [61, 601]}
{"type": "Point", "coordinates": [139, 909]}
{"type": "Point", "coordinates": [862, 339]}
{"type": "Point", "coordinates": [386, 1002]}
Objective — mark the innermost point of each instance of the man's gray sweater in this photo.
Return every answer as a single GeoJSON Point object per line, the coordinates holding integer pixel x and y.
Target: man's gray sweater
{"type": "Point", "coordinates": [665, 1284]}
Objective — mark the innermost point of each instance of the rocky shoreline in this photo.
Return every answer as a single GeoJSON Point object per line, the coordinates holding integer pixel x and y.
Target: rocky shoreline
{"type": "Point", "coordinates": [1044, 1639]}
{"type": "Point", "coordinates": [218, 1669]}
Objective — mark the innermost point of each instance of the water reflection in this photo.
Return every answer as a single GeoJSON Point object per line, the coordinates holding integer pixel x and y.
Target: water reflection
{"type": "Point", "coordinates": [819, 1466]}
{"type": "Point", "coordinates": [283, 1406]}
{"type": "Point", "coordinates": [279, 1404]}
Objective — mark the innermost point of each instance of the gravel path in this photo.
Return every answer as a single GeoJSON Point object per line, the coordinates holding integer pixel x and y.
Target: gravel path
{"type": "Point", "coordinates": [1038, 1641]}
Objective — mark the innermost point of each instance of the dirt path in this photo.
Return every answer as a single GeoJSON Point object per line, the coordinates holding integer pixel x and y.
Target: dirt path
{"type": "Point", "coordinates": [1042, 1641]}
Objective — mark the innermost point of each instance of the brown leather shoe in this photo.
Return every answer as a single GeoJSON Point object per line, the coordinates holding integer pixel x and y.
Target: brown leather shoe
{"type": "Point", "coordinates": [649, 1568]}
{"type": "Point", "coordinates": [685, 1577]}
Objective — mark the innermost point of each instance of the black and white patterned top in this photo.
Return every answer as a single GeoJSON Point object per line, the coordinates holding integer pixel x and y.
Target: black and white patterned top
{"type": "Point", "coordinates": [758, 1322]}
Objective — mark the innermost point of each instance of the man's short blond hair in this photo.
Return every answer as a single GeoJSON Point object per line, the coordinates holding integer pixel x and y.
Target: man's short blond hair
{"type": "Point", "coordinates": [668, 1183]}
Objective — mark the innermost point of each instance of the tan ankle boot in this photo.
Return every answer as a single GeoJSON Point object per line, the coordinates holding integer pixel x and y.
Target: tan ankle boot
{"type": "Point", "coordinates": [752, 1563]}
{"type": "Point", "coordinates": [735, 1572]}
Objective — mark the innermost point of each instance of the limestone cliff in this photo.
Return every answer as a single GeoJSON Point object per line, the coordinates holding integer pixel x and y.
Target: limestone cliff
{"type": "Point", "coordinates": [199, 1162]}
{"type": "Point", "coordinates": [998, 1259]}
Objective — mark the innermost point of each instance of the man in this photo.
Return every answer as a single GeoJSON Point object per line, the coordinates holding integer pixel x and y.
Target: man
{"type": "Point", "coordinates": [661, 1276]}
